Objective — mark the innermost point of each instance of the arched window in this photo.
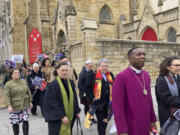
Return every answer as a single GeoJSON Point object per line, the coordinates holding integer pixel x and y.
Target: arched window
{"type": "Point", "coordinates": [61, 38]}
{"type": "Point", "coordinates": [149, 35]}
{"type": "Point", "coordinates": [171, 37]}
{"type": "Point", "coordinates": [105, 14]}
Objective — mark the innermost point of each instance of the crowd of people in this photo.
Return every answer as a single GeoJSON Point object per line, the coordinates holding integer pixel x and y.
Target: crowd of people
{"type": "Point", "coordinates": [126, 96]}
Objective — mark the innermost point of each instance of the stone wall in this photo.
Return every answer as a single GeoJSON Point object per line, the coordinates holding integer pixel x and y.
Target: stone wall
{"type": "Point", "coordinates": [91, 10]}
{"type": "Point", "coordinates": [18, 14]}
{"type": "Point", "coordinates": [1, 32]}
{"type": "Point", "coordinates": [116, 51]}
{"type": "Point", "coordinates": [26, 15]}
{"type": "Point", "coordinates": [76, 56]}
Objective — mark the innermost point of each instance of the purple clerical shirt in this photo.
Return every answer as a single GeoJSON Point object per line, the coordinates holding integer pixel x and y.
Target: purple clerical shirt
{"type": "Point", "coordinates": [133, 111]}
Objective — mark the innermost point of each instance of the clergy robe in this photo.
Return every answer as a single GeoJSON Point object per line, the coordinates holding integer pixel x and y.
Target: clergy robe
{"type": "Point", "coordinates": [54, 108]}
{"type": "Point", "coordinates": [133, 111]}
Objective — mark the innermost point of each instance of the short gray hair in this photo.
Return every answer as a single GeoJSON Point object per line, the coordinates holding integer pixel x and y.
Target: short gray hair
{"type": "Point", "coordinates": [35, 65]}
{"type": "Point", "coordinates": [88, 61]}
{"type": "Point", "coordinates": [103, 60]}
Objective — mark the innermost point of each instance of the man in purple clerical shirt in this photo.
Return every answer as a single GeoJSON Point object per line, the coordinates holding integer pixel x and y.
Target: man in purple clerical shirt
{"type": "Point", "coordinates": [131, 97]}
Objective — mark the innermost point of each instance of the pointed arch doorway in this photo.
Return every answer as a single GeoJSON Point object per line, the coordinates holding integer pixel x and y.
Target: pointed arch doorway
{"type": "Point", "coordinates": [149, 35]}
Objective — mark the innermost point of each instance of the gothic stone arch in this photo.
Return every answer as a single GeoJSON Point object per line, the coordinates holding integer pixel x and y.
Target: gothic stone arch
{"type": "Point", "coordinates": [105, 13]}
{"type": "Point", "coordinates": [149, 34]}
{"type": "Point", "coordinates": [171, 35]}
{"type": "Point", "coordinates": [61, 41]}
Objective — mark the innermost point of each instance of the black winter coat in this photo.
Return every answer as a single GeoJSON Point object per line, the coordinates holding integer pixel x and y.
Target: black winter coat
{"type": "Point", "coordinates": [31, 77]}
{"type": "Point", "coordinates": [85, 83]}
{"type": "Point", "coordinates": [165, 99]}
{"type": "Point", "coordinates": [53, 102]}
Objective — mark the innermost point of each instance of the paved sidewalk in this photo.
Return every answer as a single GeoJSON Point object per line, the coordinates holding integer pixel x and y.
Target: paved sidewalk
{"type": "Point", "coordinates": [39, 127]}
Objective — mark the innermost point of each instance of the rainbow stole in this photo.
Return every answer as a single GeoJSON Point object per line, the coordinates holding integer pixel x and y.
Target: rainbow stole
{"type": "Point", "coordinates": [97, 94]}
{"type": "Point", "coordinates": [98, 84]}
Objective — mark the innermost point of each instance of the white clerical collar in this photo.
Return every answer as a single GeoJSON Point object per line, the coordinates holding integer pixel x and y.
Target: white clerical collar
{"type": "Point", "coordinates": [136, 70]}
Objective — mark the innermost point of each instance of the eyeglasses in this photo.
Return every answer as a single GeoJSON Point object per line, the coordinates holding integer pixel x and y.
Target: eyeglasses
{"type": "Point", "coordinates": [176, 65]}
{"type": "Point", "coordinates": [105, 66]}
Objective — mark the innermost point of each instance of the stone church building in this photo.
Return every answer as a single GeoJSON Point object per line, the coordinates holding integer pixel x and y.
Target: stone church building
{"type": "Point", "coordinates": [92, 29]}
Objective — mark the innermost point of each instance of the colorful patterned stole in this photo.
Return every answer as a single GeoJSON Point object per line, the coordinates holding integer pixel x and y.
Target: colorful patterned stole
{"type": "Point", "coordinates": [98, 88]}
{"type": "Point", "coordinates": [98, 84]}
{"type": "Point", "coordinates": [97, 95]}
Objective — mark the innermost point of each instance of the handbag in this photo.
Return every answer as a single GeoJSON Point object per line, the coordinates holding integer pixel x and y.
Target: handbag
{"type": "Point", "coordinates": [170, 127]}
{"type": "Point", "coordinates": [79, 125]}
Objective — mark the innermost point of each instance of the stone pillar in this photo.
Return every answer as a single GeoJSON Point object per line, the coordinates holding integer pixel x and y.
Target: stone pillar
{"type": "Point", "coordinates": [45, 26]}
{"type": "Point", "coordinates": [26, 34]}
{"type": "Point", "coordinates": [178, 32]}
{"type": "Point", "coordinates": [52, 8]}
{"type": "Point", "coordinates": [122, 20]}
{"type": "Point", "coordinates": [90, 50]}
{"type": "Point", "coordinates": [32, 20]}
{"type": "Point", "coordinates": [70, 26]}
{"type": "Point", "coordinates": [70, 23]}
{"type": "Point", "coordinates": [18, 15]}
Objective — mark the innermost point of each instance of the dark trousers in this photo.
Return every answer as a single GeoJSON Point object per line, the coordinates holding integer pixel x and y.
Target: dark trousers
{"type": "Point", "coordinates": [35, 102]}
{"type": "Point", "coordinates": [54, 127]}
{"type": "Point", "coordinates": [41, 102]}
{"type": "Point", "coordinates": [86, 108]}
{"type": "Point", "coordinates": [101, 115]}
{"type": "Point", "coordinates": [25, 128]}
{"type": "Point", "coordinates": [38, 99]}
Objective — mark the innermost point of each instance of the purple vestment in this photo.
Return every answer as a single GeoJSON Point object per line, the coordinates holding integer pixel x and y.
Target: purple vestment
{"type": "Point", "coordinates": [133, 111]}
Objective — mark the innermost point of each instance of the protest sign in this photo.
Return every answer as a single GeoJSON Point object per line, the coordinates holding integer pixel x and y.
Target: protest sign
{"type": "Point", "coordinates": [43, 85]}
{"type": "Point", "coordinates": [7, 63]}
{"type": "Point", "coordinates": [17, 58]}
{"type": "Point", "coordinates": [40, 57]}
{"type": "Point", "coordinates": [38, 82]}
{"type": "Point", "coordinates": [13, 64]}
{"type": "Point", "coordinates": [57, 56]}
